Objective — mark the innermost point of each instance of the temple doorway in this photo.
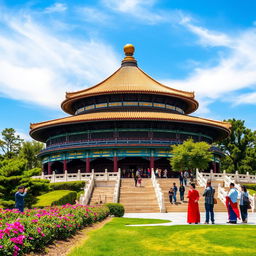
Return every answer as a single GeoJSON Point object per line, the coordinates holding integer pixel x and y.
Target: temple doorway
{"type": "Point", "coordinates": [102, 163]}
{"type": "Point", "coordinates": [57, 167]}
{"type": "Point", "coordinates": [74, 165]}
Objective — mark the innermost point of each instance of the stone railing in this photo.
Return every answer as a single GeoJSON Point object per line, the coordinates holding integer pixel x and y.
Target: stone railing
{"type": "Point", "coordinates": [88, 189]}
{"type": "Point", "coordinates": [236, 177]}
{"type": "Point", "coordinates": [117, 187]}
{"type": "Point", "coordinates": [201, 180]}
{"type": "Point", "coordinates": [252, 199]}
{"type": "Point", "coordinates": [158, 192]}
{"type": "Point", "coordinates": [222, 193]}
{"type": "Point", "coordinates": [100, 176]}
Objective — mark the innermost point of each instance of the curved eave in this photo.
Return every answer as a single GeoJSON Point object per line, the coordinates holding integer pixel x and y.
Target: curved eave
{"type": "Point", "coordinates": [134, 116]}
{"type": "Point", "coordinates": [129, 80]}
{"type": "Point", "coordinates": [66, 105]}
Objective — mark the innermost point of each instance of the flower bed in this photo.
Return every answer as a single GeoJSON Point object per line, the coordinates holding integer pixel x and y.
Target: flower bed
{"type": "Point", "coordinates": [32, 230]}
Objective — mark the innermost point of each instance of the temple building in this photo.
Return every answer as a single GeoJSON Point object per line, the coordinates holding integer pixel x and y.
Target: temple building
{"type": "Point", "coordinates": [127, 121]}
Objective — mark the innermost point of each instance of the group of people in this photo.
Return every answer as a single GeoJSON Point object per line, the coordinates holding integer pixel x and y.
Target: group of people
{"type": "Point", "coordinates": [231, 203]}
{"type": "Point", "coordinates": [131, 173]}
{"type": "Point", "coordinates": [173, 193]}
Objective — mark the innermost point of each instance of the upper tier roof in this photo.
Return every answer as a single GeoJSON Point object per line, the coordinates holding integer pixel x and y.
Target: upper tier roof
{"type": "Point", "coordinates": [120, 116]}
{"type": "Point", "coordinates": [129, 79]}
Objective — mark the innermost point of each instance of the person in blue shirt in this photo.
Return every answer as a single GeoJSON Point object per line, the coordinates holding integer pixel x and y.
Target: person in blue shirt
{"type": "Point", "coordinates": [19, 198]}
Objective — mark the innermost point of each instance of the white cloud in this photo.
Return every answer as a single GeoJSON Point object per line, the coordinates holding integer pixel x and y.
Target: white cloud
{"type": "Point", "coordinates": [206, 37]}
{"type": "Point", "coordinates": [57, 7]}
{"type": "Point", "coordinates": [25, 136]}
{"type": "Point", "coordinates": [38, 66]}
{"type": "Point", "coordinates": [234, 71]}
{"type": "Point", "coordinates": [140, 9]}
{"type": "Point", "coordinates": [245, 98]}
{"type": "Point", "coordinates": [91, 14]}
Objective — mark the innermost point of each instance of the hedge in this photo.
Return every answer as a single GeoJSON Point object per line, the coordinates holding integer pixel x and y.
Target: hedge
{"type": "Point", "coordinates": [116, 209]}
{"type": "Point", "coordinates": [69, 185]}
{"type": "Point", "coordinates": [33, 230]}
{"type": "Point", "coordinates": [59, 197]}
{"type": "Point", "coordinates": [250, 186]}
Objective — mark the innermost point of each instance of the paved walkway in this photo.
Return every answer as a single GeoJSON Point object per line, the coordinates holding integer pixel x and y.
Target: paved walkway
{"type": "Point", "coordinates": [180, 218]}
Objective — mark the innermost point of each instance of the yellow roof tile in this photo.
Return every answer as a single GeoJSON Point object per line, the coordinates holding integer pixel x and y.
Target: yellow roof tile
{"type": "Point", "coordinates": [105, 116]}
{"type": "Point", "coordinates": [129, 79]}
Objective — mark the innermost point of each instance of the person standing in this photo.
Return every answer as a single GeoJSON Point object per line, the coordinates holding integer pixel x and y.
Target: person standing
{"type": "Point", "coordinates": [139, 180]}
{"type": "Point", "coordinates": [209, 202]}
{"type": "Point", "coordinates": [175, 190]}
{"type": "Point", "coordinates": [157, 173]}
{"type": "Point", "coordinates": [135, 178]}
{"type": "Point", "coordinates": [193, 207]}
{"type": "Point", "coordinates": [185, 178]}
{"type": "Point", "coordinates": [165, 173]}
{"type": "Point", "coordinates": [244, 203]}
{"type": "Point", "coordinates": [231, 203]}
{"type": "Point", "coordinates": [182, 192]}
{"type": "Point", "coordinates": [19, 198]}
{"type": "Point", "coordinates": [181, 178]}
{"type": "Point", "coordinates": [170, 195]}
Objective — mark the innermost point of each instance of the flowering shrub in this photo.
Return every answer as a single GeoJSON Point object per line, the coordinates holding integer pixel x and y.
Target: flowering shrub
{"type": "Point", "coordinates": [32, 230]}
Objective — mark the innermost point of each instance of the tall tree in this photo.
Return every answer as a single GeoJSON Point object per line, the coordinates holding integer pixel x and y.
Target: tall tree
{"type": "Point", "coordinates": [239, 148]}
{"type": "Point", "coordinates": [190, 155]}
{"type": "Point", "coordinates": [29, 151]}
{"type": "Point", "coordinates": [10, 143]}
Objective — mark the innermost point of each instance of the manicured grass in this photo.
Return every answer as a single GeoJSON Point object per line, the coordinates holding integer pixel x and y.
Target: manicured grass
{"type": "Point", "coordinates": [57, 197]}
{"type": "Point", "coordinates": [251, 191]}
{"type": "Point", "coordinates": [117, 239]}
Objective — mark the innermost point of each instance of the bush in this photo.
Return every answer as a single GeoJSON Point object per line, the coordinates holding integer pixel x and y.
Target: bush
{"type": "Point", "coordinates": [70, 185]}
{"type": "Point", "coordinates": [36, 228]}
{"type": "Point", "coordinates": [7, 204]}
{"type": "Point", "coordinates": [59, 197]}
{"type": "Point", "coordinates": [116, 209]}
{"type": "Point", "coordinates": [79, 194]}
{"type": "Point", "coordinates": [250, 186]}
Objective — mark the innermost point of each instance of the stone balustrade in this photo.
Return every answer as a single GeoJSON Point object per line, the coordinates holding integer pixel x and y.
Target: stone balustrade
{"type": "Point", "coordinates": [158, 191]}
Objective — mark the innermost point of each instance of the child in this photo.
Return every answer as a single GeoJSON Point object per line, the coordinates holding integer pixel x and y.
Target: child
{"type": "Point", "coordinates": [182, 191]}
{"type": "Point", "coordinates": [171, 195]}
{"type": "Point", "coordinates": [139, 180]}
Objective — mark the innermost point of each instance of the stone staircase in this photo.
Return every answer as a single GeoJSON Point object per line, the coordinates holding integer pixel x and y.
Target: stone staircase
{"type": "Point", "coordinates": [165, 185]}
{"type": "Point", "coordinates": [102, 193]}
{"type": "Point", "coordinates": [138, 199]}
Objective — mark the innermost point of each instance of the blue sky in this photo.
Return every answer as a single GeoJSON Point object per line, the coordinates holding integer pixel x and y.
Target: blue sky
{"type": "Point", "coordinates": [50, 47]}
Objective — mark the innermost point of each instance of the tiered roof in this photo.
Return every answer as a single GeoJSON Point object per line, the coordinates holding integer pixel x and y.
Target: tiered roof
{"type": "Point", "coordinates": [129, 79]}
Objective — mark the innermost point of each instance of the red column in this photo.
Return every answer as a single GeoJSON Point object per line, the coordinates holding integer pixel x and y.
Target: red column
{"type": "Point", "coordinates": [115, 164]}
{"type": "Point", "coordinates": [49, 168]}
{"type": "Point", "coordinates": [214, 167]}
{"type": "Point", "coordinates": [87, 164]}
{"type": "Point", "coordinates": [152, 163]}
{"type": "Point", "coordinates": [64, 165]}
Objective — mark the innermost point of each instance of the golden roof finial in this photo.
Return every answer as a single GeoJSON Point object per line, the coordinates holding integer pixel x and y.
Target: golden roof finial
{"type": "Point", "coordinates": [129, 60]}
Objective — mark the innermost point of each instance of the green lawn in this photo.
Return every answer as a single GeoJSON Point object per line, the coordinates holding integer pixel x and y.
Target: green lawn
{"type": "Point", "coordinates": [117, 239]}
{"type": "Point", "coordinates": [251, 191]}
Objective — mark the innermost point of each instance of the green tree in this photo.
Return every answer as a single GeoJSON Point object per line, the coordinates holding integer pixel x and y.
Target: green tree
{"type": "Point", "coordinates": [190, 155]}
{"type": "Point", "coordinates": [10, 143]}
{"type": "Point", "coordinates": [29, 151]}
{"type": "Point", "coordinates": [239, 148]}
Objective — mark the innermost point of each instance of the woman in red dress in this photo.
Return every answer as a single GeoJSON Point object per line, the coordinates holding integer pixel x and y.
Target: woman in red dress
{"type": "Point", "coordinates": [193, 208]}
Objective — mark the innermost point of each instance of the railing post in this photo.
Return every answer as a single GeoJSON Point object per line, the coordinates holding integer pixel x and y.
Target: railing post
{"type": "Point", "coordinates": [211, 175]}
{"type": "Point", "coordinates": [248, 177]}
{"type": "Point", "coordinates": [79, 174]}
{"type": "Point", "coordinates": [236, 177]}
{"type": "Point", "coordinates": [106, 175]}
{"type": "Point", "coordinates": [66, 175]}
{"type": "Point", "coordinates": [42, 175]}
{"type": "Point", "coordinates": [53, 177]}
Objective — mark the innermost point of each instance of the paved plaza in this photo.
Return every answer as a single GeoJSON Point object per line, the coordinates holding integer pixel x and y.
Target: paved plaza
{"type": "Point", "coordinates": [180, 218]}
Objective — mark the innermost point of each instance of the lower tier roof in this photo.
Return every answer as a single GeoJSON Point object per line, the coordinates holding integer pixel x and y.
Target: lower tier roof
{"type": "Point", "coordinates": [133, 115]}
